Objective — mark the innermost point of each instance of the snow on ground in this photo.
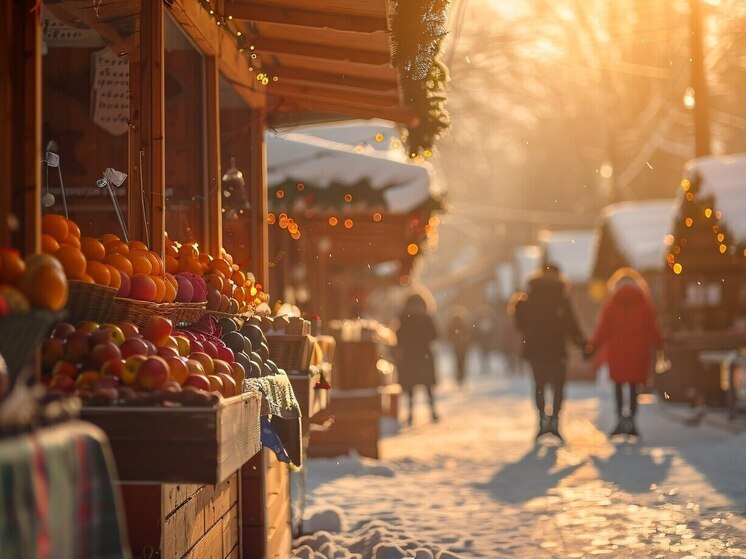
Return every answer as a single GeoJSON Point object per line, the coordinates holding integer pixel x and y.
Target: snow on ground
{"type": "Point", "coordinates": [476, 485]}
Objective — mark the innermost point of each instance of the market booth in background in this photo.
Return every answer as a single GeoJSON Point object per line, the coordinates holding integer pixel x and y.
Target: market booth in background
{"type": "Point", "coordinates": [123, 103]}
{"type": "Point", "coordinates": [705, 281]}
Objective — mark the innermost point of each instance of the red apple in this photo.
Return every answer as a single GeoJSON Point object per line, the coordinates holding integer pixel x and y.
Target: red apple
{"type": "Point", "coordinates": [230, 388]}
{"type": "Point", "coordinates": [102, 353]}
{"type": "Point", "coordinates": [165, 351]}
{"type": "Point", "coordinates": [220, 366]}
{"type": "Point", "coordinates": [205, 359]}
{"type": "Point", "coordinates": [196, 346]}
{"type": "Point", "coordinates": [65, 369]}
{"type": "Point", "coordinates": [131, 368]}
{"type": "Point", "coordinates": [87, 379]}
{"type": "Point", "coordinates": [117, 335]}
{"type": "Point", "coordinates": [183, 345]}
{"type": "Point", "coordinates": [195, 367]}
{"type": "Point", "coordinates": [133, 346]}
{"type": "Point", "coordinates": [77, 346]}
{"type": "Point", "coordinates": [153, 373]}
{"type": "Point", "coordinates": [63, 330]}
{"type": "Point", "coordinates": [238, 372]}
{"type": "Point", "coordinates": [87, 326]}
{"type": "Point", "coordinates": [226, 354]}
{"type": "Point", "coordinates": [112, 368]}
{"type": "Point", "coordinates": [177, 368]}
{"type": "Point", "coordinates": [52, 351]}
{"type": "Point", "coordinates": [126, 285]}
{"type": "Point", "coordinates": [210, 349]}
{"type": "Point", "coordinates": [198, 381]}
{"type": "Point", "coordinates": [158, 330]}
{"type": "Point", "coordinates": [128, 329]}
{"type": "Point", "coordinates": [216, 384]}
{"type": "Point", "coordinates": [63, 382]}
{"type": "Point", "coordinates": [152, 350]}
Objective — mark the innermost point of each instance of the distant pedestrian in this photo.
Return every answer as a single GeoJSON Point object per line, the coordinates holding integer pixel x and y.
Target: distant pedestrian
{"type": "Point", "coordinates": [546, 320]}
{"type": "Point", "coordinates": [485, 327]}
{"type": "Point", "coordinates": [416, 334]}
{"type": "Point", "coordinates": [460, 337]}
{"type": "Point", "coordinates": [629, 330]}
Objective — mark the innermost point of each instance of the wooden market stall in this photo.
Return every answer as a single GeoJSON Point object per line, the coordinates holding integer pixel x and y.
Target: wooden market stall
{"type": "Point", "coordinates": [705, 302]}
{"type": "Point", "coordinates": [168, 101]}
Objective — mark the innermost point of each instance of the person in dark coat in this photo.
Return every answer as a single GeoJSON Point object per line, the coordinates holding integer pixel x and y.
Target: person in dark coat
{"type": "Point", "coordinates": [629, 330]}
{"type": "Point", "coordinates": [460, 337]}
{"type": "Point", "coordinates": [546, 320]}
{"type": "Point", "coordinates": [416, 334]}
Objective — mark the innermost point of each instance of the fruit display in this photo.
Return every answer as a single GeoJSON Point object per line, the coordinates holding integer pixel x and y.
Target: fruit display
{"type": "Point", "coordinates": [120, 364]}
{"type": "Point", "coordinates": [214, 279]}
{"type": "Point", "coordinates": [36, 281]}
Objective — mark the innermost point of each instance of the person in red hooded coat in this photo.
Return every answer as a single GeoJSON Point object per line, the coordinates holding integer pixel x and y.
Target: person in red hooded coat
{"type": "Point", "coordinates": [629, 329]}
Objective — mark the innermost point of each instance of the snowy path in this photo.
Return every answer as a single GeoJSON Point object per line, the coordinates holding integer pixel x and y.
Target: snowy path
{"type": "Point", "coordinates": [476, 485]}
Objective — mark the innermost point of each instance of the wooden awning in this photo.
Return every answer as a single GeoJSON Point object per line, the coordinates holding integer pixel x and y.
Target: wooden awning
{"type": "Point", "coordinates": [330, 57]}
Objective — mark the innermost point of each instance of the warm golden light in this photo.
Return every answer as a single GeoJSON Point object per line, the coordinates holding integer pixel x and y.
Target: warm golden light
{"type": "Point", "coordinates": [348, 198]}
{"type": "Point", "coordinates": [377, 217]}
{"type": "Point", "coordinates": [686, 185]}
{"type": "Point", "coordinates": [708, 213]}
{"type": "Point", "coordinates": [688, 221]}
{"type": "Point", "coordinates": [413, 249]}
{"type": "Point", "coordinates": [723, 249]}
{"type": "Point", "coordinates": [333, 221]}
{"type": "Point", "coordinates": [348, 223]}
{"type": "Point", "coordinates": [271, 218]}
{"type": "Point", "coordinates": [677, 268]}
{"type": "Point", "coordinates": [280, 194]}
{"type": "Point", "coordinates": [300, 186]}
{"type": "Point", "coordinates": [721, 237]}
{"type": "Point", "coordinates": [689, 197]}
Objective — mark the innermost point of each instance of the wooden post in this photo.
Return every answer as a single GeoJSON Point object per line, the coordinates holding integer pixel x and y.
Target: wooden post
{"type": "Point", "coordinates": [20, 101]}
{"type": "Point", "coordinates": [258, 198]}
{"type": "Point", "coordinates": [214, 207]}
{"type": "Point", "coordinates": [135, 186]}
{"type": "Point", "coordinates": [152, 120]}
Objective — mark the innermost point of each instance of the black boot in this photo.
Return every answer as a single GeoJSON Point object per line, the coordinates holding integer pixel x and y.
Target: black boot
{"type": "Point", "coordinates": [543, 426]}
{"type": "Point", "coordinates": [554, 427]}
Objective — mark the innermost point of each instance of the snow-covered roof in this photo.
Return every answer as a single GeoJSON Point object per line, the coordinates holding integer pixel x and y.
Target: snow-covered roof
{"type": "Point", "coordinates": [639, 229]}
{"type": "Point", "coordinates": [723, 178]}
{"type": "Point", "coordinates": [321, 162]}
{"type": "Point", "coordinates": [571, 251]}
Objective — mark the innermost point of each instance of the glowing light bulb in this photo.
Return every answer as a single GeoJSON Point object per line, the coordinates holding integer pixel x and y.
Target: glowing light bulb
{"type": "Point", "coordinates": [412, 249]}
{"type": "Point", "coordinates": [677, 268]}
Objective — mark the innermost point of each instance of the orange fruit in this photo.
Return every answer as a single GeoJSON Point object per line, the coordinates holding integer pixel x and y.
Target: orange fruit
{"type": "Point", "coordinates": [120, 262]}
{"type": "Point", "coordinates": [12, 266]}
{"type": "Point", "coordinates": [155, 262]}
{"type": "Point", "coordinates": [189, 249]}
{"type": "Point", "coordinates": [45, 285]}
{"type": "Point", "coordinates": [239, 277]}
{"type": "Point", "coordinates": [240, 295]}
{"type": "Point", "coordinates": [72, 261]}
{"type": "Point", "coordinates": [160, 286]}
{"type": "Point", "coordinates": [222, 265]}
{"type": "Point", "coordinates": [86, 278]}
{"type": "Point", "coordinates": [73, 229]}
{"type": "Point", "coordinates": [106, 237]}
{"type": "Point", "coordinates": [140, 262]}
{"type": "Point", "coordinates": [171, 264]}
{"type": "Point", "coordinates": [71, 240]}
{"type": "Point", "coordinates": [49, 244]}
{"type": "Point", "coordinates": [190, 265]}
{"type": "Point", "coordinates": [170, 293]}
{"type": "Point", "coordinates": [55, 226]}
{"type": "Point", "coordinates": [171, 248]}
{"type": "Point", "coordinates": [137, 245]}
{"type": "Point", "coordinates": [116, 277]}
{"type": "Point", "coordinates": [226, 255]}
{"type": "Point", "coordinates": [214, 280]}
{"type": "Point", "coordinates": [92, 248]}
{"type": "Point", "coordinates": [99, 272]}
{"type": "Point", "coordinates": [116, 247]}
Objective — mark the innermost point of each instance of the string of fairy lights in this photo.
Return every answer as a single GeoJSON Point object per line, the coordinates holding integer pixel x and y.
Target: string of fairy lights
{"type": "Point", "coordinates": [692, 209]}
{"type": "Point", "coordinates": [245, 47]}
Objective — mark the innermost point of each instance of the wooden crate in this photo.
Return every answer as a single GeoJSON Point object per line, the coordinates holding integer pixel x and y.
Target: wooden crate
{"type": "Point", "coordinates": [265, 520]}
{"type": "Point", "coordinates": [355, 365]}
{"type": "Point", "coordinates": [185, 520]}
{"type": "Point", "coordinates": [181, 445]}
{"type": "Point", "coordinates": [312, 400]}
{"type": "Point", "coordinates": [292, 353]}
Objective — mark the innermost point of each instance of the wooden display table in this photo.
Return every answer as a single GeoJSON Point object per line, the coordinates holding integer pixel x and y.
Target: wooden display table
{"type": "Point", "coordinates": [179, 472]}
{"type": "Point", "coordinates": [356, 415]}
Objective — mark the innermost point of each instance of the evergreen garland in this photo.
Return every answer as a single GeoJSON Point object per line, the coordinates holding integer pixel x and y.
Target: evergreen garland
{"type": "Point", "coordinates": [417, 31]}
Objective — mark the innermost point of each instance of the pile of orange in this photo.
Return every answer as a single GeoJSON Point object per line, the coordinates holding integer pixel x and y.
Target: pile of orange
{"type": "Point", "coordinates": [37, 281]}
{"type": "Point", "coordinates": [219, 272]}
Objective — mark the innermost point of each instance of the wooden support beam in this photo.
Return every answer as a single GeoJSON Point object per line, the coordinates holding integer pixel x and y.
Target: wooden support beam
{"type": "Point", "coordinates": [258, 198]}
{"type": "Point", "coordinates": [214, 41]}
{"type": "Point", "coordinates": [295, 89]}
{"type": "Point", "coordinates": [136, 157]}
{"type": "Point", "coordinates": [268, 45]}
{"type": "Point", "coordinates": [214, 207]}
{"type": "Point", "coordinates": [308, 18]}
{"type": "Point", "coordinates": [329, 78]}
{"type": "Point", "coordinates": [282, 115]}
{"type": "Point", "coordinates": [152, 119]}
{"type": "Point", "coordinates": [20, 134]}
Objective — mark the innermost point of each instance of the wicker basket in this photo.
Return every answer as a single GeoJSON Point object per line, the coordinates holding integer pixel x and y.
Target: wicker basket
{"type": "Point", "coordinates": [182, 313]}
{"type": "Point", "coordinates": [292, 353]}
{"type": "Point", "coordinates": [89, 301]}
{"type": "Point", "coordinates": [20, 336]}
